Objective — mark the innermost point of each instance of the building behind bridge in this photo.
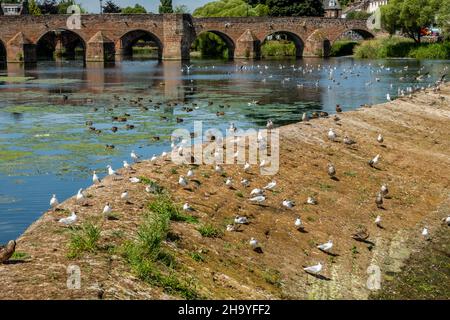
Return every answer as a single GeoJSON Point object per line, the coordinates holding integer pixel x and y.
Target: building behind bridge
{"type": "Point", "coordinates": [13, 7]}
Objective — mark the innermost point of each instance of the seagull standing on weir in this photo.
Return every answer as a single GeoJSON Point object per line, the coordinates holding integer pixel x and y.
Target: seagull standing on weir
{"type": "Point", "coordinates": [69, 220]}
{"type": "Point", "coordinates": [54, 202]}
{"type": "Point", "coordinates": [314, 269]}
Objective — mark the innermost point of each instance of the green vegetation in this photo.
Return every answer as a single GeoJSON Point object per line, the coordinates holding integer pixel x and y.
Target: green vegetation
{"type": "Point", "coordinates": [134, 10]}
{"type": "Point", "coordinates": [342, 48]}
{"type": "Point", "coordinates": [409, 16]}
{"type": "Point", "coordinates": [166, 6]}
{"type": "Point", "coordinates": [358, 15]}
{"type": "Point", "coordinates": [272, 277]}
{"type": "Point", "coordinates": [209, 231]}
{"type": "Point", "coordinates": [33, 8]}
{"type": "Point", "coordinates": [83, 239]}
{"type": "Point", "coordinates": [163, 205]}
{"type": "Point", "coordinates": [197, 257]}
{"type": "Point", "coordinates": [281, 48]}
{"type": "Point", "coordinates": [149, 260]}
{"type": "Point", "coordinates": [230, 8]}
{"type": "Point", "coordinates": [395, 47]}
{"type": "Point", "coordinates": [291, 7]}
{"type": "Point", "coordinates": [210, 45]}
{"type": "Point", "coordinates": [19, 256]}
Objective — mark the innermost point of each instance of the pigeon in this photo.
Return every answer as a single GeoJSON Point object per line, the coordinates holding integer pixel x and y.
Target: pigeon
{"type": "Point", "coordinates": [326, 246]}
{"type": "Point", "coordinates": [182, 182]}
{"type": "Point", "coordinates": [69, 220]}
{"type": "Point", "coordinates": [7, 251]}
{"type": "Point", "coordinates": [241, 220]}
{"type": "Point", "coordinates": [425, 233]}
{"type": "Point", "coordinates": [95, 178]}
{"type": "Point", "coordinates": [379, 200]}
{"type": "Point", "coordinates": [331, 170]}
{"type": "Point", "coordinates": [80, 195]}
{"type": "Point", "coordinates": [254, 243]}
{"type": "Point", "coordinates": [311, 200]}
{"type": "Point", "coordinates": [384, 190]}
{"type": "Point", "coordinates": [288, 204]}
{"type": "Point", "coordinates": [314, 269]}
{"type": "Point", "coordinates": [258, 199]}
{"type": "Point", "coordinates": [374, 161]}
{"type": "Point", "coordinates": [54, 202]}
{"type": "Point", "coordinates": [332, 135]}
{"type": "Point", "coordinates": [298, 224]}
{"type": "Point", "coordinates": [378, 221]}
{"type": "Point", "coordinates": [380, 138]}
{"type": "Point", "coordinates": [270, 186]}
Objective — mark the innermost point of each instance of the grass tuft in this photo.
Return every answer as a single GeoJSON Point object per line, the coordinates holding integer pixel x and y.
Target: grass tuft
{"type": "Point", "coordinates": [83, 239]}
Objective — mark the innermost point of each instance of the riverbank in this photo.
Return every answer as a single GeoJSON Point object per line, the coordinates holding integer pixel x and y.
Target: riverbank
{"type": "Point", "coordinates": [203, 260]}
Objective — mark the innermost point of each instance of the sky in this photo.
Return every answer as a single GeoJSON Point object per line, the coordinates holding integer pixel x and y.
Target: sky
{"type": "Point", "coordinates": [93, 6]}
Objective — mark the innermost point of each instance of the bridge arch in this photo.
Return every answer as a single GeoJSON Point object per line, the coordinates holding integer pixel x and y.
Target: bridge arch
{"type": "Point", "coordinates": [290, 36]}
{"type": "Point", "coordinates": [136, 37]}
{"type": "Point", "coordinates": [2, 52]}
{"type": "Point", "coordinates": [364, 34]}
{"type": "Point", "coordinates": [61, 43]}
{"type": "Point", "coordinates": [229, 42]}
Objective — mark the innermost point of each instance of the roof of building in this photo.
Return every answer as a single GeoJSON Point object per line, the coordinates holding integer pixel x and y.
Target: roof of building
{"type": "Point", "coordinates": [328, 5]}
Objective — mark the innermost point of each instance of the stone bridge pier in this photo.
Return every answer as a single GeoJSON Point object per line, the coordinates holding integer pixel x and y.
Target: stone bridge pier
{"type": "Point", "coordinates": [104, 38]}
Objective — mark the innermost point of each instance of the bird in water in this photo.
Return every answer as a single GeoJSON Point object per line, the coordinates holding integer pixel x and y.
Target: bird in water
{"type": "Point", "coordinates": [316, 269]}
{"type": "Point", "coordinates": [373, 162]}
{"type": "Point", "coordinates": [378, 221]}
{"type": "Point", "coordinates": [7, 251]}
{"type": "Point", "coordinates": [95, 178]}
{"type": "Point", "coordinates": [332, 135]}
{"type": "Point", "coordinates": [379, 200]}
{"type": "Point", "coordinates": [69, 220]}
{"type": "Point", "coordinates": [331, 170]}
{"type": "Point", "coordinates": [380, 138]}
{"type": "Point", "coordinates": [80, 196]}
{"type": "Point", "coordinates": [326, 246]}
{"type": "Point", "coordinates": [54, 202]}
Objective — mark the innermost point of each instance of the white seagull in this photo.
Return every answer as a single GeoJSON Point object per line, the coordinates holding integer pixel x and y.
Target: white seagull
{"type": "Point", "coordinates": [190, 173]}
{"type": "Point", "coordinates": [80, 195]}
{"type": "Point", "coordinates": [311, 200]}
{"type": "Point", "coordinates": [134, 156]}
{"type": "Point", "coordinates": [446, 220]}
{"type": "Point", "coordinates": [254, 243]}
{"type": "Point", "coordinates": [256, 192]}
{"type": "Point", "coordinates": [288, 204]}
{"type": "Point", "coordinates": [378, 221]}
{"type": "Point", "coordinates": [270, 186]}
{"type": "Point", "coordinates": [124, 195]}
{"type": "Point", "coordinates": [241, 220]}
{"type": "Point", "coordinates": [126, 165]}
{"type": "Point", "coordinates": [245, 182]}
{"type": "Point", "coordinates": [246, 166]}
{"type": "Point", "coordinates": [326, 246]}
{"type": "Point", "coordinates": [374, 161]}
{"type": "Point", "coordinates": [380, 138]}
{"type": "Point", "coordinates": [54, 202]}
{"type": "Point", "coordinates": [298, 224]}
{"type": "Point", "coordinates": [107, 209]}
{"type": "Point", "coordinates": [182, 181]}
{"type": "Point", "coordinates": [95, 178]}
{"type": "Point", "coordinates": [425, 233]}
{"type": "Point", "coordinates": [111, 172]}
{"type": "Point", "coordinates": [69, 220]}
{"type": "Point", "coordinates": [331, 135]}
{"type": "Point", "coordinates": [258, 199]}
{"type": "Point", "coordinates": [314, 269]}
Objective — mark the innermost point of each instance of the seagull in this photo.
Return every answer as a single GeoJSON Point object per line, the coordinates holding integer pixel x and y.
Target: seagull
{"type": "Point", "coordinates": [111, 172]}
{"type": "Point", "coordinates": [95, 178]}
{"type": "Point", "coordinates": [107, 209]}
{"type": "Point", "coordinates": [270, 186]}
{"type": "Point", "coordinates": [229, 182]}
{"type": "Point", "coordinates": [384, 190]}
{"type": "Point", "coordinates": [378, 221]}
{"type": "Point", "coordinates": [380, 138]}
{"type": "Point", "coordinates": [232, 128]}
{"type": "Point", "coordinates": [254, 243]}
{"type": "Point", "coordinates": [126, 165]}
{"type": "Point", "coordinates": [80, 195]}
{"type": "Point", "coordinates": [288, 204]}
{"type": "Point", "coordinates": [259, 199]}
{"type": "Point", "coordinates": [326, 246]}
{"type": "Point", "coordinates": [331, 170]}
{"type": "Point", "coordinates": [298, 224]}
{"type": "Point", "coordinates": [305, 117]}
{"type": "Point", "coordinates": [349, 141]}
{"type": "Point", "coordinates": [218, 168]}
{"type": "Point", "coordinates": [187, 207]}
{"type": "Point", "coordinates": [262, 163]}
{"type": "Point", "coordinates": [256, 192]}
{"type": "Point", "coordinates": [388, 97]}
{"type": "Point", "coordinates": [331, 135]}
{"type": "Point", "coordinates": [246, 166]}
{"type": "Point", "coordinates": [374, 161]}
{"type": "Point", "coordinates": [153, 158]}
{"type": "Point", "coordinates": [269, 125]}
{"type": "Point", "coordinates": [124, 195]}
{"type": "Point", "coordinates": [182, 181]}
{"type": "Point", "coordinates": [425, 233]}
{"type": "Point", "coordinates": [69, 220]}
{"type": "Point", "coordinates": [311, 200]}
{"type": "Point", "coordinates": [134, 156]}
{"type": "Point", "coordinates": [54, 202]}
{"type": "Point", "coordinates": [446, 220]}
{"type": "Point", "coordinates": [135, 180]}
{"type": "Point", "coordinates": [232, 227]}
{"type": "Point", "coordinates": [379, 200]}
{"type": "Point", "coordinates": [241, 220]}
{"type": "Point", "coordinates": [314, 269]}
{"type": "Point", "coordinates": [245, 182]}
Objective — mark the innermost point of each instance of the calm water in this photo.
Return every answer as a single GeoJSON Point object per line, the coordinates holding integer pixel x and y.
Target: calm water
{"type": "Point", "coordinates": [45, 146]}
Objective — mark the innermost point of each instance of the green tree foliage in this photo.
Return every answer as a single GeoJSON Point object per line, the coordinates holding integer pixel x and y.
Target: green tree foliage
{"type": "Point", "coordinates": [292, 7]}
{"type": "Point", "coordinates": [64, 4]}
{"type": "Point", "coordinates": [136, 9]}
{"type": "Point", "coordinates": [358, 15]}
{"type": "Point", "coordinates": [231, 8]}
{"type": "Point", "coordinates": [409, 16]}
{"type": "Point", "coordinates": [166, 6]}
{"type": "Point", "coordinates": [443, 18]}
{"type": "Point", "coordinates": [210, 45]}
{"type": "Point", "coordinates": [33, 8]}
{"type": "Point", "coordinates": [181, 9]}
{"type": "Point", "coordinates": [48, 7]}
{"type": "Point", "coordinates": [111, 7]}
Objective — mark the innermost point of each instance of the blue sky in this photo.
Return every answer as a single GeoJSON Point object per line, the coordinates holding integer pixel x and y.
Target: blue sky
{"type": "Point", "coordinates": [151, 5]}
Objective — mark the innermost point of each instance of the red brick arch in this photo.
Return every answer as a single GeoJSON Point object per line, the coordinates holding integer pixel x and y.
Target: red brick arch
{"type": "Point", "coordinates": [292, 36]}
{"type": "Point", "coordinates": [222, 35]}
{"type": "Point", "coordinates": [68, 39]}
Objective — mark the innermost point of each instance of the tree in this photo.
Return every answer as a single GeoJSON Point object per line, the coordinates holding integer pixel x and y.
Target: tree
{"type": "Point", "coordinates": [409, 16]}
{"type": "Point", "coordinates": [63, 5]}
{"type": "Point", "coordinates": [136, 9]}
{"type": "Point", "coordinates": [33, 8]}
{"type": "Point", "coordinates": [443, 19]}
{"type": "Point", "coordinates": [292, 7]}
{"type": "Point", "coordinates": [48, 7]}
{"type": "Point", "coordinates": [230, 8]}
{"type": "Point", "coordinates": [181, 9]}
{"type": "Point", "coordinates": [111, 7]}
{"type": "Point", "coordinates": [166, 6]}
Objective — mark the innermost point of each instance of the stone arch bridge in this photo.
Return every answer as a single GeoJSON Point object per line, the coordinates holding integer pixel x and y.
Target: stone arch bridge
{"type": "Point", "coordinates": [108, 36]}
